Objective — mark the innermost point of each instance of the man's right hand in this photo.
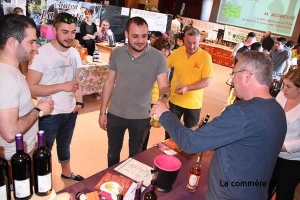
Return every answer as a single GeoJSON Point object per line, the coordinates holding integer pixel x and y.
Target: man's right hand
{"type": "Point", "coordinates": [103, 121]}
{"type": "Point", "coordinates": [71, 86]}
{"type": "Point", "coordinates": [46, 106]}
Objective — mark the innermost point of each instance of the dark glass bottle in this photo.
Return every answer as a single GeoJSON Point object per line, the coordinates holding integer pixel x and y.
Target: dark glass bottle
{"type": "Point", "coordinates": [138, 191]}
{"type": "Point", "coordinates": [205, 120]}
{"type": "Point", "coordinates": [42, 167]}
{"type": "Point", "coordinates": [4, 180]}
{"type": "Point", "coordinates": [151, 195]}
{"type": "Point", "coordinates": [194, 177]}
{"type": "Point", "coordinates": [21, 171]}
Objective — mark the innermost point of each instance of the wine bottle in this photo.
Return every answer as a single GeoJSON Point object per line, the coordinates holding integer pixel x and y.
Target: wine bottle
{"type": "Point", "coordinates": [138, 191]}
{"type": "Point", "coordinates": [155, 119]}
{"type": "Point", "coordinates": [96, 55]}
{"type": "Point", "coordinates": [21, 171]}
{"type": "Point", "coordinates": [151, 195]}
{"type": "Point", "coordinates": [205, 120]}
{"type": "Point", "coordinates": [147, 6]}
{"type": "Point", "coordinates": [4, 180]}
{"type": "Point", "coordinates": [42, 167]}
{"type": "Point", "coordinates": [194, 177]}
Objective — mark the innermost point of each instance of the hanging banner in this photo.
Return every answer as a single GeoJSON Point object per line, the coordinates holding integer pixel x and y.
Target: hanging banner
{"type": "Point", "coordinates": [43, 12]}
{"type": "Point", "coordinates": [208, 30]}
{"type": "Point", "coordinates": [156, 21]}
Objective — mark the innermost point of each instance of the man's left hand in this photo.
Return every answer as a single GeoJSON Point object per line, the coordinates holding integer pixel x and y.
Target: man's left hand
{"type": "Point", "coordinates": [77, 108]}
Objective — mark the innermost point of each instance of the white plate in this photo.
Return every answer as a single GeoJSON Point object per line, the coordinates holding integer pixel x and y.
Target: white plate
{"type": "Point", "coordinates": [112, 188]}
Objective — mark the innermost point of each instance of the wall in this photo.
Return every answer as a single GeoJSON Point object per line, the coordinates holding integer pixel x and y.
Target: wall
{"type": "Point", "coordinates": [151, 2]}
{"type": "Point", "coordinates": [294, 37]}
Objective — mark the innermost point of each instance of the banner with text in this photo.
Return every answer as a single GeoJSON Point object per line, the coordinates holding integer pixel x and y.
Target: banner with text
{"type": "Point", "coordinates": [276, 16]}
{"type": "Point", "coordinates": [235, 34]}
{"type": "Point", "coordinates": [208, 30]}
{"type": "Point", "coordinates": [156, 21]}
{"type": "Point", "coordinates": [43, 12]}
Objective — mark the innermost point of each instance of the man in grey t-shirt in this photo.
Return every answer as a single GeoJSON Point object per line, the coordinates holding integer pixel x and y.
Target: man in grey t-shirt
{"type": "Point", "coordinates": [133, 69]}
{"type": "Point", "coordinates": [17, 111]}
{"type": "Point", "coordinates": [281, 57]}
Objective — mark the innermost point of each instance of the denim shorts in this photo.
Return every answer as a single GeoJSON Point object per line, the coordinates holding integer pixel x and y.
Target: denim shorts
{"type": "Point", "coordinates": [61, 128]}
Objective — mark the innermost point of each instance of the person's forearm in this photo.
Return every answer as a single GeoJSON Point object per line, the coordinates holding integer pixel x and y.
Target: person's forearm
{"type": "Point", "coordinates": [106, 93]}
{"type": "Point", "coordinates": [22, 125]}
{"type": "Point", "coordinates": [164, 90]}
{"type": "Point", "coordinates": [78, 95]}
{"type": "Point", "coordinates": [203, 83]}
{"type": "Point", "coordinates": [45, 90]}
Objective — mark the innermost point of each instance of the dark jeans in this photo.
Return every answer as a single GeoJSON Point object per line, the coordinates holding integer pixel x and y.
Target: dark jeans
{"type": "Point", "coordinates": [116, 127]}
{"type": "Point", "coordinates": [285, 178]}
{"type": "Point", "coordinates": [61, 128]}
{"type": "Point", "coordinates": [190, 116]}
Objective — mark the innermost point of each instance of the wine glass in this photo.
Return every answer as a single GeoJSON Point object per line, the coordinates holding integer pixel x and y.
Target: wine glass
{"type": "Point", "coordinates": [177, 83]}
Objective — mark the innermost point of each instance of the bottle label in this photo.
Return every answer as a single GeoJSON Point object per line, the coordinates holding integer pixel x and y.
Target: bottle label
{"type": "Point", "coordinates": [193, 180]}
{"type": "Point", "coordinates": [3, 194]}
{"type": "Point", "coordinates": [22, 188]}
{"type": "Point", "coordinates": [44, 183]}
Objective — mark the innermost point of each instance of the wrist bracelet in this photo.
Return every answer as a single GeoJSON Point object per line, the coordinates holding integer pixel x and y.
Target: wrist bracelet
{"type": "Point", "coordinates": [81, 104]}
{"type": "Point", "coordinates": [102, 113]}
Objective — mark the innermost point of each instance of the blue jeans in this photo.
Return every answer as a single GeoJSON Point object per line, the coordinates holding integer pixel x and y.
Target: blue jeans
{"type": "Point", "coordinates": [116, 127]}
{"type": "Point", "coordinates": [61, 128]}
{"type": "Point", "coordinates": [190, 116]}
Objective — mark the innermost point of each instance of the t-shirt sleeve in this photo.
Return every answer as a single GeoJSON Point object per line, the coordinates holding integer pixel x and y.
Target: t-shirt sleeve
{"type": "Point", "coordinates": [289, 55]}
{"type": "Point", "coordinates": [9, 97]}
{"type": "Point", "coordinates": [37, 63]}
{"type": "Point", "coordinates": [112, 60]}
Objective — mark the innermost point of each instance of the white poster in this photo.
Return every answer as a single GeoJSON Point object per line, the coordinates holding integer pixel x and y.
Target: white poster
{"type": "Point", "coordinates": [156, 21]}
{"type": "Point", "coordinates": [209, 30]}
{"type": "Point", "coordinates": [235, 34]}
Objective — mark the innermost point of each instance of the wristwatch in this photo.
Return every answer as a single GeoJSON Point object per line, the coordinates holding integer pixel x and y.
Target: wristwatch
{"type": "Point", "coordinates": [40, 111]}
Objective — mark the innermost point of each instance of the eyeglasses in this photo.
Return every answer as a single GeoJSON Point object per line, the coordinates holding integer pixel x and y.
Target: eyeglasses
{"type": "Point", "coordinates": [233, 73]}
{"type": "Point", "coordinates": [68, 20]}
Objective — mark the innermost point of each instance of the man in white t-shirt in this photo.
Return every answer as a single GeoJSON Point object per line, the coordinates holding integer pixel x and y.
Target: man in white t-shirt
{"type": "Point", "coordinates": [17, 111]}
{"type": "Point", "coordinates": [53, 72]}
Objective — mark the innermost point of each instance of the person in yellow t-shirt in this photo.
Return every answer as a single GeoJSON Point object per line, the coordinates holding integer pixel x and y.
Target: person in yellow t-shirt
{"type": "Point", "coordinates": [163, 45]}
{"type": "Point", "coordinates": [192, 72]}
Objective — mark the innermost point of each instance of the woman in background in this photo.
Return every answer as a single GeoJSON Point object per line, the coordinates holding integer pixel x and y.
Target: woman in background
{"type": "Point", "coordinates": [286, 175]}
{"type": "Point", "coordinates": [88, 32]}
{"type": "Point", "coordinates": [163, 45]}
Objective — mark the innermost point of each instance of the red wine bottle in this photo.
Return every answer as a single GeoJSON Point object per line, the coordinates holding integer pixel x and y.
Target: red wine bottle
{"type": "Point", "coordinates": [42, 167]}
{"type": "Point", "coordinates": [151, 195]}
{"type": "Point", "coordinates": [4, 180]}
{"type": "Point", "coordinates": [21, 171]}
{"type": "Point", "coordinates": [138, 191]}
